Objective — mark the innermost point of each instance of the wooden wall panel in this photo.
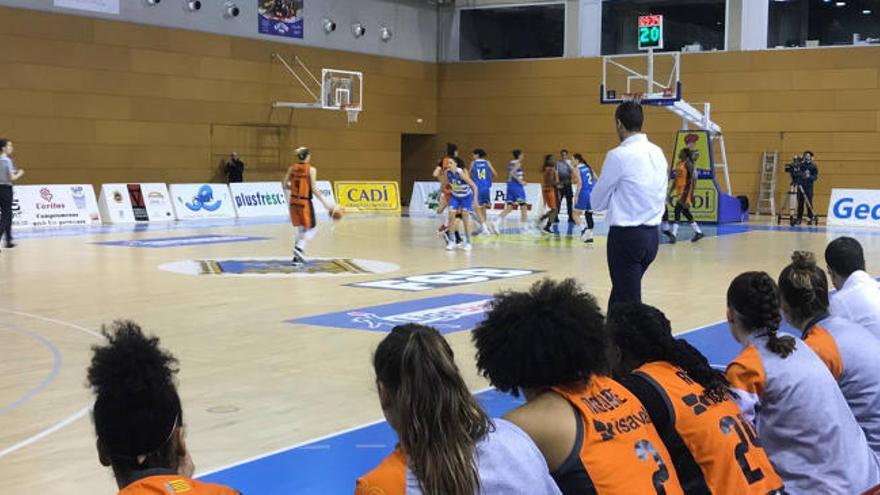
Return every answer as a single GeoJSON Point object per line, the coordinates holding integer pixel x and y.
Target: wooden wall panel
{"type": "Point", "coordinates": [825, 100]}
{"type": "Point", "coordinates": [91, 100]}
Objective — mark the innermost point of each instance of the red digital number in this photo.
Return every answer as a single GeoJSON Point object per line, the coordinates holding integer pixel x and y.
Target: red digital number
{"type": "Point", "coordinates": [650, 20]}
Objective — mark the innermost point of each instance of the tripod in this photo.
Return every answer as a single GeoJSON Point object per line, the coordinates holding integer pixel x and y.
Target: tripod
{"type": "Point", "coordinates": [790, 205]}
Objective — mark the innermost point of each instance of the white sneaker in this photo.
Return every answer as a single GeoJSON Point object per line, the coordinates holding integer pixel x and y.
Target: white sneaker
{"type": "Point", "coordinates": [450, 245]}
{"type": "Point", "coordinates": [496, 227]}
{"type": "Point", "coordinates": [465, 246]}
{"type": "Point", "coordinates": [587, 235]}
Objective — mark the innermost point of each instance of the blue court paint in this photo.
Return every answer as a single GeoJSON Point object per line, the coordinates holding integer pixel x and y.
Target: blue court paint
{"type": "Point", "coordinates": [192, 240]}
{"type": "Point", "coordinates": [332, 465]}
{"type": "Point", "coordinates": [447, 314]}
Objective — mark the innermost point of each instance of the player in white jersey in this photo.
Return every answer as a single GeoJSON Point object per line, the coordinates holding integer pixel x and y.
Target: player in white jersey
{"type": "Point", "coordinates": [461, 202]}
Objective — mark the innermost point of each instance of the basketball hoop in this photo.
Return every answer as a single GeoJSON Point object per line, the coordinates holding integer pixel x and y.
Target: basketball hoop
{"type": "Point", "coordinates": [636, 97]}
{"type": "Point", "coordinates": [352, 113]}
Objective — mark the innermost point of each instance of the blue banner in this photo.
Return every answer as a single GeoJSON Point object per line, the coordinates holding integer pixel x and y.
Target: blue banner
{"type": "Point", "coordinates": [280, 18]}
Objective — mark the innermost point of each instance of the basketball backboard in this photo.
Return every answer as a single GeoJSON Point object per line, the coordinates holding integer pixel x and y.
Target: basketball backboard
{"type": "Point", "coordinates": [650, 78]}
{"type": "Point", "coordinates": [336, 90]}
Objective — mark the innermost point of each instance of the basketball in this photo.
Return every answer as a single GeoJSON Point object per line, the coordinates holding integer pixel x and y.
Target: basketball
{"type": "Point", "coordinates": [337, 213]}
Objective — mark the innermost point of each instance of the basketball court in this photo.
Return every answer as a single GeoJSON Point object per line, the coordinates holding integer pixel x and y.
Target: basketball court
{"type": "Point", "coordinates": [275, 361]}
{"type": "Point", "coordinates": [254, 380]}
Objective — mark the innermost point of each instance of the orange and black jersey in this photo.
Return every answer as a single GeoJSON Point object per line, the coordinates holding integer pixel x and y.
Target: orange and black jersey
{"type": "Point", "coordinates": [617, 451]}
{"type": "Point", "coordinates": [715, 450]}
{"type": "Point", "coordinates": [167, 482]}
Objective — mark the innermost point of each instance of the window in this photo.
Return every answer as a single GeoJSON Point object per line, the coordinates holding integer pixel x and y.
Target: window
{"type": "Point", "coordinates": [530, 31]}
{"type": "Point", "coordinates": [823, 22]}
{"type": "Point", "coordinates": [688, 25]}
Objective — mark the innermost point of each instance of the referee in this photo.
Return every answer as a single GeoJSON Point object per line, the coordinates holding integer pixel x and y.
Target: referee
{"type": "Point", "coordinates": [8, 174]}
{"type": "Point", "coordinates": [632, 192]}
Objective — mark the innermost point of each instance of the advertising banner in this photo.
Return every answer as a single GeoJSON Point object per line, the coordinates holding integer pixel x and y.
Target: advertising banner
{"type": "Point", "coordinates": [259, 199]}
{"type": "Point", "coordinates": [195, 201]}
{"type": "Point", "coordinates": [854, 208]}
{"type": "Point", "coordinates": [426, 198]}
{"type": "Point", "coordinates": [280, 17]}
{"type": "Point", "coordinates": [56, 205]}
{"type": "Point", "coordinates": [326, 189]}
{"type": "Point", "coordinates": [368, 197]}
{"type": "Point", "coordinates": [130, 203]}
{"type": "Point", "coordinates": [705, 206]}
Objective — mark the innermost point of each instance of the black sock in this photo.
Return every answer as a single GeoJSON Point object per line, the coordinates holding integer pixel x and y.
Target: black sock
{"type": "Point", "coordinates": [457, 237]}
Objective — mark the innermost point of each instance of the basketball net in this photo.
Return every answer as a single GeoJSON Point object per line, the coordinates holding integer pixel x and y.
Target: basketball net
{"type": "Point", "coordinates": [352, 113]}
{"type": "Point", "coordinates": [636, 97]}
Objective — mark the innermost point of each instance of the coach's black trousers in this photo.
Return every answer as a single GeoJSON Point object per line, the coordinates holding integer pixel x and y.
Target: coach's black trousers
{"type": "Point", "coordinates": [6, 213]}
{"type": "Point", "coordinates": [631, 250]}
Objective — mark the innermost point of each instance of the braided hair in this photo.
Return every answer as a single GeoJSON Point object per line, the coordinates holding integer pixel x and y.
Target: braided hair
{"type": "Point", "coordinates": [804, 287]}
{"type": "Point", "coordinates": [644, 334]}
{"type": "Point", "coordinates": [754, 297]}
{"type": "Point", "coordinates": [137, 409]}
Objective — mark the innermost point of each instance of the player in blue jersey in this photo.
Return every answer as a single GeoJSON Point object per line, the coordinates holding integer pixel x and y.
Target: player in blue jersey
{"type": "Point", "coordinates": [461, 201]}
{"type": "Point", "coordinates": [516, 191]}
{"type": "Point", "coordinates": [584, 179]}
{"type": "Point", "coordinates": [482, 173]}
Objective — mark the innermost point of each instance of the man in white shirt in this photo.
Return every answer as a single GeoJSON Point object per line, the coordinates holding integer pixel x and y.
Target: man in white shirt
{"type": "Point", "coordinates": [858, 295]}
{"type": "Point", "coordinates": [632, 192]}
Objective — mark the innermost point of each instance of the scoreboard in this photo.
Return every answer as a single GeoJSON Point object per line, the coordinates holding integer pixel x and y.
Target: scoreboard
{"type": "Point", "coordinates": [650, 32]}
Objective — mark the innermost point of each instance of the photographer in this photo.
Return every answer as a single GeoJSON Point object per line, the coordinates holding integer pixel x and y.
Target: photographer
{"type": "Point", "coordinates": [804, 173]}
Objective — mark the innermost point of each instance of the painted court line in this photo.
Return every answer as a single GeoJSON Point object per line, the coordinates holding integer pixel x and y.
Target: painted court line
{"type": "Point", "coordinates": [45, 433]}
{"type": "Point", "coordinates": [64, 422]}
{"type": "Point", "coordinates": [56, 367]}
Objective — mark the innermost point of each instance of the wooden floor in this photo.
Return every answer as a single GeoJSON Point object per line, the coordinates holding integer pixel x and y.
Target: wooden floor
{"type": "Point", "coordinates": [250, 382]}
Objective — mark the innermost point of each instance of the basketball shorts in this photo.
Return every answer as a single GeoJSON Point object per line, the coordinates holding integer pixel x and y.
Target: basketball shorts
{"type": "Point", "coordinates": [515, 194]}
{"type": "Point", "coordinates": [302, 214]}
{"type": "Point", "coordinates": [551, 198]}
{"type": "Point", "coordinates": [583, 202]}
{"type": "Point", "coordinates": [465, 203]}
{"type": "Point", "coordinates": [484, 196]}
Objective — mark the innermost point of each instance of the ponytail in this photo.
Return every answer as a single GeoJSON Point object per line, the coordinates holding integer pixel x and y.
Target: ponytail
{"type": "Point", "coordinates": [644, 334]}
{"type": "Point", "coordinates": [437, 419]}
{"type": "Point", "coordinates": [754, 297]}
{"type": "Point", "coordinates": [804, 287]}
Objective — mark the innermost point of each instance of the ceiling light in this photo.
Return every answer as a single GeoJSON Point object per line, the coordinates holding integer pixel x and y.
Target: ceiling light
{"type": "Point", "coordinates": [840, 4]}
{"type": "Point", "coordinates": [231, 10]}
{"type": "Point", "coordinates": [866, 12]}
{"type": "Point", "coordinates": [192, 5]}
{"type": "Point", "coordinates": [358, 30]}
{"type": "Point", "coordinates": [385, 33]}
{"type": "Point", "coordinates": [152, 3]}
{"type": "Point", "coordinates": [329, 25]}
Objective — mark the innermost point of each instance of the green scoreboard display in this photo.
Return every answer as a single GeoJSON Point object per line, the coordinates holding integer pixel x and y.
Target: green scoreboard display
{"type": "Point", "coordinates": [650, 32]}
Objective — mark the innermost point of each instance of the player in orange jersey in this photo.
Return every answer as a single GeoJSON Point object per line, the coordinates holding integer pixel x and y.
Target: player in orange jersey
{"type": "Point", "coordinates": [684, 184]}
{"type": "Point", "coordinates": [138, 417]}
{"type": "Point", "coordinates": [448, 445]}
{"type": "Point", "coordinates": [300, 183]}
{"type": "Point", "coordinates": [550, 343]}
{"type": "Point", "coordinates": [714, 448]}
{"type": "Point", "coordinates": [550, 191]}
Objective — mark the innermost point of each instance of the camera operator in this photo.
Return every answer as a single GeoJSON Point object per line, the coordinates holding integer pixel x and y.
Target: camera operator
{"type": "Point", "coordinates": [804, 173]}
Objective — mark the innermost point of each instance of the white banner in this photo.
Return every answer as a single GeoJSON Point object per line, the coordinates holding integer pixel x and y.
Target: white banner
{"type": "Point", "coordinates": [854, 208]}
{"type": "Point", "coordinates": [259, 199]}
{"type": "Point", "coordinates": [195, 201]}
{"type": "Point", "coordinates": [426, 196]}
{"type": "Point", "coordinates": [55, 206]}
{"type": "Point", "coordinates": [130, 203]}
{"type": "Point", "coordinates": [102, 6]}
{"type": "Point", "coordinates": [326, 189]}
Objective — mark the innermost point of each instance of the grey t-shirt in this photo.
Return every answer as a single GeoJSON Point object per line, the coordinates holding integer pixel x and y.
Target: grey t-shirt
{"type": "Point", "coordinates": [7, 168]}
